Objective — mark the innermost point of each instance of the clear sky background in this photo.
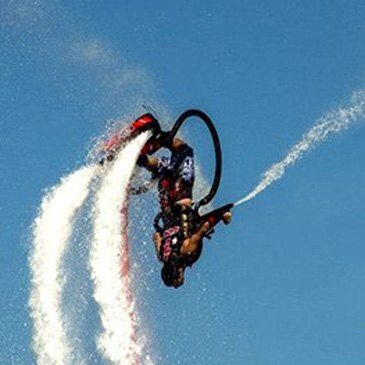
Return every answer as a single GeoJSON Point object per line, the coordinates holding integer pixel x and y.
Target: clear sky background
{"type": "Point", "coordinates": [285, 283]}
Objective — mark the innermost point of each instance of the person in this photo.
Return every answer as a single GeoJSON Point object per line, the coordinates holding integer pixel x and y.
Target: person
{"type": "Point", "coordinates": [179, 241]}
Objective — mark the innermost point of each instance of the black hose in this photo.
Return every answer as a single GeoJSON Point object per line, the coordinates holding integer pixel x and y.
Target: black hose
{"type": "Point", "coordinates": [217, 149]}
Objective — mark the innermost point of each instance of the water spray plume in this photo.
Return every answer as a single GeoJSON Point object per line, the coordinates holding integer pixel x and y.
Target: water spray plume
{"type": "Point", "coordinates": [334, 122]}
{"type": "Point", "coordinates": [52, 230]}
{"type": "Point", "coordinates": [117, 341]}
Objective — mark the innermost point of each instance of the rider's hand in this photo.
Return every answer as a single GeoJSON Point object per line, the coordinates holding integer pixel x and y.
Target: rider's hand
{"type": "Point", "coordinates": [227, 217]}
{"type": "Point", "coordinates": [157, 239]}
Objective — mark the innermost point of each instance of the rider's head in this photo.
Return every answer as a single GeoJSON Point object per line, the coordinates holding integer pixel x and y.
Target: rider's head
{"type": "Point", "coordinates": [172, 274]}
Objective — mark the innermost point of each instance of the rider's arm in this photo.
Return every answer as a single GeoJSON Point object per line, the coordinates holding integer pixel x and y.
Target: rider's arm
{"type": "Point", "coordinates": [201, 232]}
{"type": "Point", "coordinates": [157, 239]}
{"type": "Point", "coordinates": [192, 245]}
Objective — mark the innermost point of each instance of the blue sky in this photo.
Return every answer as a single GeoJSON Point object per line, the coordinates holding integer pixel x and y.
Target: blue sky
{"type": "Point", "coordinates": [284, 283]}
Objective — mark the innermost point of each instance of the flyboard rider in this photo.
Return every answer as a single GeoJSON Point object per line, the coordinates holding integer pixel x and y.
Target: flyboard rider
{"type": "Point", "coordinates": [179, 230]}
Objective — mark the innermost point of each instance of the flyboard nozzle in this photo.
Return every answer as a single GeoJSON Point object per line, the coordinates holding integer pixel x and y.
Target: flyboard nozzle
{"type": "Point", "coordinates": [219, 211]}
{"type": "Point", "coordinates": [225, 207]}
{"type": "Point", "coordinates": [146, 122]}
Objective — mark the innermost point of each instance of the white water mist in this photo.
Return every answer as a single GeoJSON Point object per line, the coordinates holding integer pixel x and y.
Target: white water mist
{"type": "Point", "coordinates": [117, 341]}
{"type": "Point", "coordinates": [52, 230]}
{"type": "Point", "coordinates": [334, 122]}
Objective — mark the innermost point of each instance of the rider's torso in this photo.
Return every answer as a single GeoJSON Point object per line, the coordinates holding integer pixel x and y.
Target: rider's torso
{"type": "Point", "coordinates": [171, 190]}
{"type": "Point", "coordinates": [175, 176]}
